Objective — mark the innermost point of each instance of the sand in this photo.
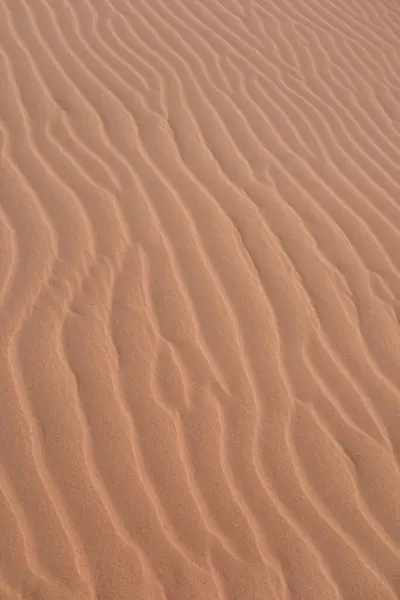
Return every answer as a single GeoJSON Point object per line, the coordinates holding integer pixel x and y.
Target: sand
{"type": "Point", "coordinates": [200, 300]}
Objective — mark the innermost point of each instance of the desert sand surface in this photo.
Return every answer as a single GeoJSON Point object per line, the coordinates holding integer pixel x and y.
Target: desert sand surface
{"type": "Point", "coordinates": [200, 300]}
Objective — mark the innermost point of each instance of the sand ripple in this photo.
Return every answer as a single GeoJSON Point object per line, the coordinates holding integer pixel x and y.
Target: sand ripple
{"type": "Point", "coordinates": [200, 300]}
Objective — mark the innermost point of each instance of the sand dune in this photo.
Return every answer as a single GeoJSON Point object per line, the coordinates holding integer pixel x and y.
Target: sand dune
{"type": "Point", "coordinates": [200, 300]}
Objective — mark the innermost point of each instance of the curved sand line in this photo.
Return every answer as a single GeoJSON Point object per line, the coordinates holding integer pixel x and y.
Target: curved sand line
{"type": "Point", "coordinates": [200, 300]}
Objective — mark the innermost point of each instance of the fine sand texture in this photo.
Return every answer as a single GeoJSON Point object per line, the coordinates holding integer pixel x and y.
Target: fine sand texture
{"type": "Point", "coordinates": [199, 299]}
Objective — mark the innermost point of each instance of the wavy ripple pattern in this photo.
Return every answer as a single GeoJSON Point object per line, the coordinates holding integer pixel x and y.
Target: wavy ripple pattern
{"type": "Point", "coordinates": [200, 300]}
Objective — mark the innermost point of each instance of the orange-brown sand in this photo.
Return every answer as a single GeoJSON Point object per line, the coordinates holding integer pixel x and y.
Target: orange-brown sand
{"type": "Point", "coordinates": [200, 300]}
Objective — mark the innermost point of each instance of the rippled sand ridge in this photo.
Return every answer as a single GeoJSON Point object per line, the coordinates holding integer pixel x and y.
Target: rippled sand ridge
{"type": "Point", "coordinates": [199, 299]}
